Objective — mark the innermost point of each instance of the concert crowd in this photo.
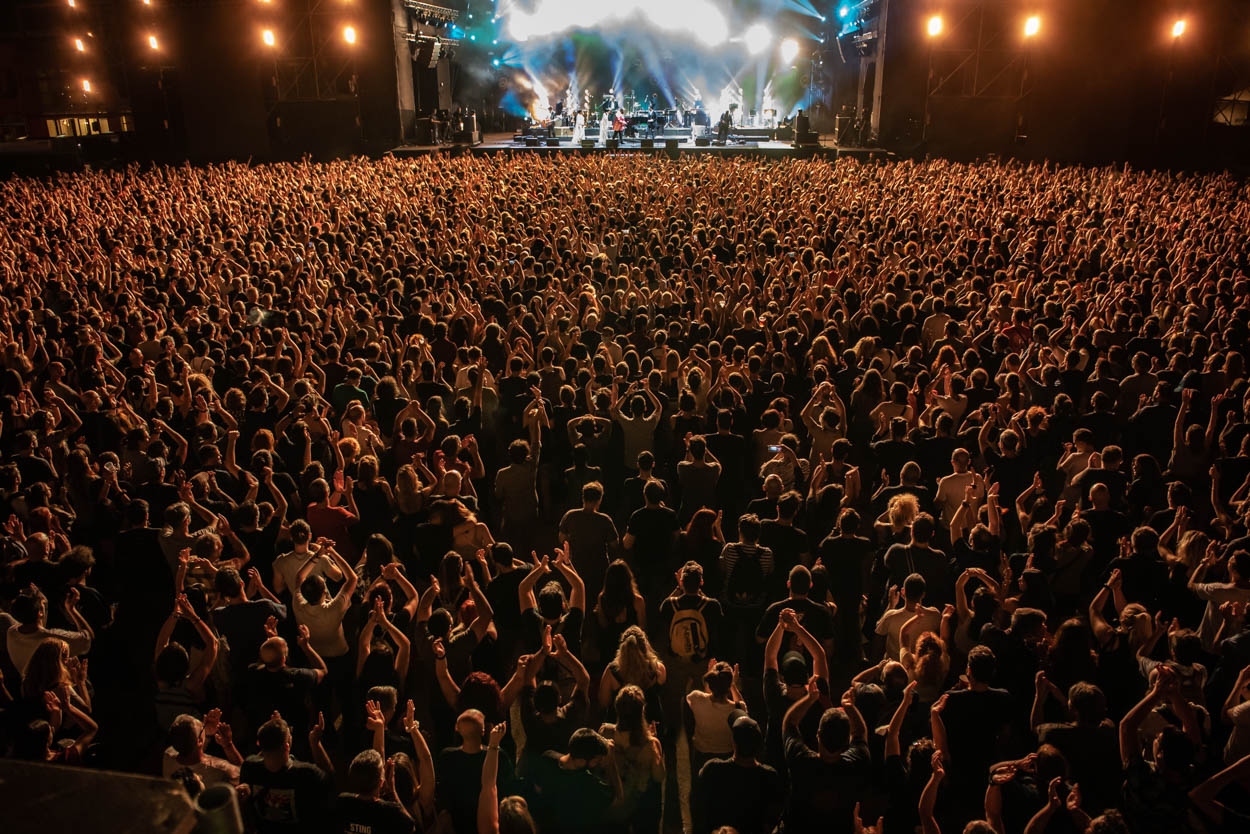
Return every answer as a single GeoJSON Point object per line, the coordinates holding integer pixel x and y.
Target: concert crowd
{"type": "Point", "coordinates": [565, 494]}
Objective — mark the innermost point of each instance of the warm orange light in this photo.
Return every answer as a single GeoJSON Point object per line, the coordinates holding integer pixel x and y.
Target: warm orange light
{"type": "Point", "coordinates": [1178, 28]}
{"type": "Point", "coordinates": [934, 27]}
{"type": "Point", "coordinates": [349, 34]}
{"type": "Point", "coordinates": [78, 44]}
{"type": "Point", "coordinates": [153, 42]}
{"type": "Point", "coordinates": [1032, 26]}
{"type": "Point", "coordinates": [268, 38]}
{"type": "Point", "coordinates": [86, 86]}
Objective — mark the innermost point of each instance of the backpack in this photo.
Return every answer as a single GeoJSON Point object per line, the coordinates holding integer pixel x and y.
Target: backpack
{"type": "Point", "coordinates": [687, 633]}
{"type": "Point", "coordinates": [746, 582]}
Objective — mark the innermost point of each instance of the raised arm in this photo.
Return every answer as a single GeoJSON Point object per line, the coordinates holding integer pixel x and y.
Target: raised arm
{"type": "Point", "coordinates": [893, 747]}
{"type": "Point", "coordinates": [425, 762]}
{"type": "Point", "coordinates": [929, 796]}
{"type": "Point", "coordinates": [488, 799]}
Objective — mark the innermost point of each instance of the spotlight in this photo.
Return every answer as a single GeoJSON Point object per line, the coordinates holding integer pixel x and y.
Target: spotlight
{"type": "Point", "coordinates": [495, 62]}
{"type": "Point", "coordinates": [349, 34]}
{"type": "Point", "coordinates": [1178, 28]}
{"type": "Point", "coordinates": [789, 50]}
{"type": "Point", "coordinates": [78, 44]}
{"type": "Point", "coordinates": [153, 42]}
{"type": "Point", "coordinates": [757, 38]}
{"type": "Point", "coordinates": [86, 86]}
{"type": "Point", "coordinates": [844, 11]}
{"type": "Point", "coordinates": [268, 38]}
{"type": "Point", "coordinates": [72, 4]}
{"type": "Point", "coordinates": [1032, 26]}
{"type": "Point", "coordinates": [934, 27]}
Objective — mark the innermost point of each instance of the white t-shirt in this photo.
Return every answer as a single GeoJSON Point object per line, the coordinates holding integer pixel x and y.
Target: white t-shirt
{"type": "Point", "coordinates": [711, 723]}
{"type": "Point", "coordinates": [325, 623]}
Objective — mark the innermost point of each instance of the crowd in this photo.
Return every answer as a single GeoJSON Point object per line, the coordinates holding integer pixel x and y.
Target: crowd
{"type": "Point", "coordinates": [548, 494]}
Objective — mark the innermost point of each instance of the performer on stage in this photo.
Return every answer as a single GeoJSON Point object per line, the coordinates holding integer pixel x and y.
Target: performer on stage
{"type": "Point", "coordinates": [579, 127]}
{"type": "Point", "coordinates": [618, 126]}
{"type": "Point", "coordinates": [605, 125]}
{"type": "Point", "coordinates": [722, 129]}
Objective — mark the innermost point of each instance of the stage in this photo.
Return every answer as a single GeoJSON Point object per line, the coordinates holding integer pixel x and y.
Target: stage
{"type": "Point", "coordinates": [493, 143]}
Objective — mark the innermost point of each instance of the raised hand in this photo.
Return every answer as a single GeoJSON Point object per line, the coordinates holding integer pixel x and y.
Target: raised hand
{"type": "Point", "coordinates": [374, 720]}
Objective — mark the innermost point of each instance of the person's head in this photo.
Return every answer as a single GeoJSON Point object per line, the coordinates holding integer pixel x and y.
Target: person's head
{"type": "Point", "coordinates": [799, 581]}
{"type": "Point", "coordinates": [1087, 704]}
{"type": "Point", "coordinates": [313, 589]}
{"type": "Point", "coordinates": [273, 739]}
{"type": "Point", "coordinates": [982, 665]}
{"type": "Point", "coordinates": [748, 739]}
{"type": "Point", "coordinates": [471, 726]}
{"type": "Point", "coordinates": [592, 495]}
{"type": "Point", "coordinates": [228, 583]}
{"type": "Point", "coordinates": [834, 731]}
{"type": "Point", "coordinates": [902, 510]}
{"type": "Point", "coordinates": [587, 748]}
{"type": "Point", "coordinates": [718, 680]}
{"type": "Point", "coordinates": [518, 451]}
{"type": "Point", "coordinates": [631, 712]}
{"type": "Point", "coordinates": [636, 661]}
{"type": "Point", "coordinates": [45, 670]}
{"type": "Point", "coordinates": [653, 492]}
{"type": "Point", "coordinates": [365, 773]}
{"type": "Point", "coordinates": [551, 601]}
{"type": "Point", "coordinates": [913, 589]}
{"type": "Point", "coordinates": [788, 505]}
{"type": "Point", "coordinates": [186, 736]}
{"type": "Point", "coordinates": [773, 486]}
{"type": "Point", "coordinates": [749, 528]}
{"type": "Point", "coordinates": [922, 529]}
{"type": "Point", "coordinates": [514, 816]}
{"type": "Point", "coordinates": [546, 698]}
{"type": "Point", "coordinates": [690, 577]}
{"type": "Point", "coordinates": [31, 607]}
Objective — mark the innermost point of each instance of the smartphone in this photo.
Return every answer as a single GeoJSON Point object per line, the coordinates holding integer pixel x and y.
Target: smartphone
{"type": "Point", "coordinates": [774, 448]}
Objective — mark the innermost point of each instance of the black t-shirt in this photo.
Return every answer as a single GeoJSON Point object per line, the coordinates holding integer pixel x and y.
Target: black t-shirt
{"type": "Point", "coordinates": [572, 801]}
{"type": "Point", "coordinates": [288, 800]}
{"type": "Point", "coordinates": [460, 783]}
{"type": "Point", "coordinates": [747, 798]}
{"type": "Point", "coordinates": [505, 603]}
{"type": "Point", "coordinates": [243, 626]}
{"type": "Point", "coordinates": [823, 793]}
{"type": "Point", "coordinates": [356, 815]}
{"type": "Point", "coordinates": [654, 530]}
{"type": "Point", "coordinates": [974, 722]}
{"type": "Point", "coordinates": [787, 543]}
{"type": "Point", "coordinates": [813, 616]}
{"type": "Point", "coordinates": [285, 690]}
{"type": "Point", "coordinates": [902, 560]}
{"type": "Point", "coordinates": [540, 735]}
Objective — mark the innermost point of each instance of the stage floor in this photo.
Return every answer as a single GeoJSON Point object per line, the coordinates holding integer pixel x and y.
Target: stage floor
{"type": "Point", "coordinates": [493, 143]}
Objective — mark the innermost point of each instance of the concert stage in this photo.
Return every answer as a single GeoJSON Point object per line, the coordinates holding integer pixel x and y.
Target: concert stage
{"type": "Point", "coordinates": [767, 148]}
